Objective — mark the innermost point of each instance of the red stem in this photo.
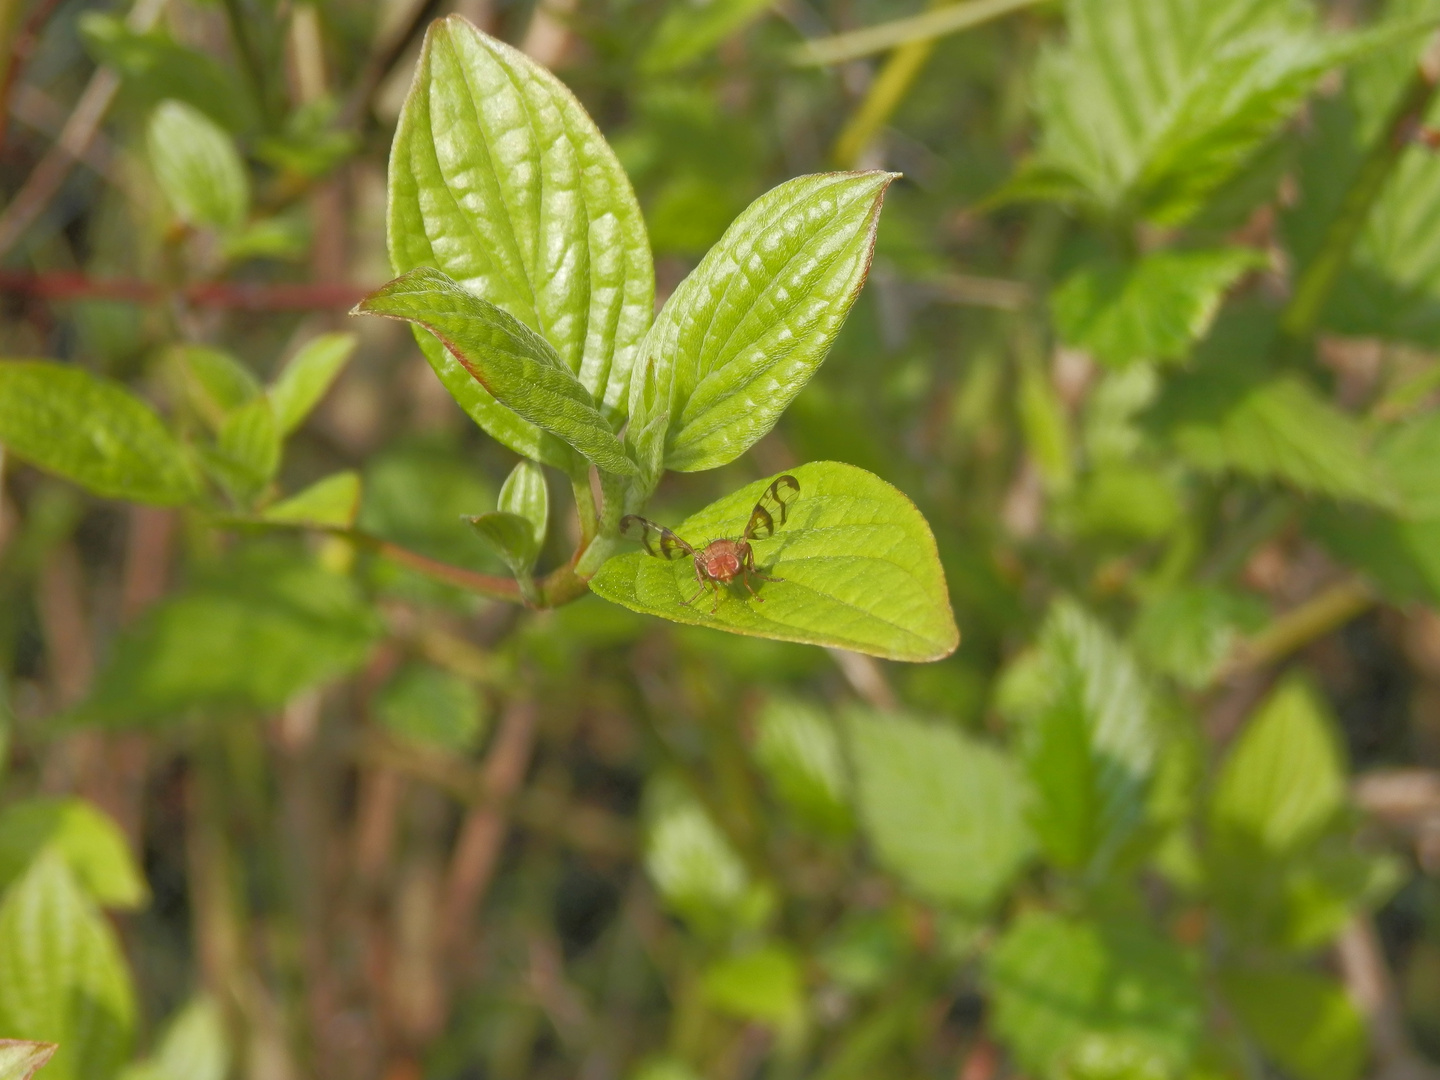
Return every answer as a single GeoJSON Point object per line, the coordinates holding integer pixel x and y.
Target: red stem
{"type": "Point", "coordinates": [240, 296]}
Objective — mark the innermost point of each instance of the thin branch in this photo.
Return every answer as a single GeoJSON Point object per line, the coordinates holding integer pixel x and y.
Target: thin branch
{"type": "Point", "coordinates": [477, 850]}
{"type": "Point", "coordinates": [44, 182]}
{"type": "Point", "coordinates": [20, 52]}
{"type": "Point", "coordinates": [1292, 631]}
{"type": "Point", "coordinates": [234, 295]}
{"type": "Point", "coordinates": [881, 100]}
{"type": "Point", "coordinates": [866, 678]}
{"type": "Point", "coordinates": [885, 36]}
{"type": "Point", "coordinates": [1372, 989]}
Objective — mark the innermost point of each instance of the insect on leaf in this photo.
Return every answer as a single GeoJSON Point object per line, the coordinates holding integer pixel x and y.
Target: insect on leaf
{"type": "Point", "coordinates": [775, 502]}
{"type": "Point", "coordinates": [655, 539]}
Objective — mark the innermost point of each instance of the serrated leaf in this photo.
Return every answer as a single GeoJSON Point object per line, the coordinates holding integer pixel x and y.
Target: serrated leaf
{"type": "Point", "coordinates": [1189, 632]}
{"type": "Point", "coordinates": [516, 366]}
{"type": "Point", "coordinates": [1283, 782]}
{"type": "Point", "coordinates": [1088, 737]}
{"type": "Point", "coordinates": [194, 1047]}
{"type": "Point", "coordinates": [62, 975]}
{"type": "Point", "coordinates": [431, 707]}
{"type": "Point", "coordinates": [763, 985]}
{"type": "Point", "coordinates": [333, 501]}
{"type": "Point", "coordinates": [746, 330]}
{"type": "Point", "coordinates": [91, 844]}
{"type": "Point", "coordinates": [1305, 1023]}
{"type": "Point", "coordinates": [944, 811]}
{"type": "Point", "coordinates": [197, 166]}
{"type": "Point", "coordinates": [302, 382]}
{"type": "Point", "coordinates": [500, 179]}
{"type": "Point", "coordinates": [91, 431]}
{"type": "Point", "coordinates": [1151, 310]}
{"type": "Point", "coordinates": [798, 747]}
{"type": "Point", "coordinates": [859, 563]}
{"type": "Point", "coordinates": [1058, 983]}
{"type": "Point", "coordinates": [252, 637]}
{"type": "Point", "coordinates": [20, 1060]}
{"type": "Point", "coordinates": [1148, 108]}
{"type": "Point", "coordinates": [1275, 428]}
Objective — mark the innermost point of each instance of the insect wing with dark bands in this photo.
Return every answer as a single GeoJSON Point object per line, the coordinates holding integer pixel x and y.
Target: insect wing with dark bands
{"type": "Point", "coordinates": [772, 508]}
{"type": "Point", "coordinates": [655, 539]}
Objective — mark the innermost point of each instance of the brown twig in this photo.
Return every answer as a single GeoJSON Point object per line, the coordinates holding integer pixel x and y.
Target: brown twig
{"type": "Point", "coordinates": [233, 295]}
{"type": "Point", "coordinates": [20, 53]}
{"type": "Point", "coordinates": [1372, 988]}
{"type": "Point", "coordinates": [478, 848]}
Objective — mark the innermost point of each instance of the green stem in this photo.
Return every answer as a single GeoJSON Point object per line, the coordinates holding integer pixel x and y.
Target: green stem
{"type": "Point", "coordinates": [1320, 615]}
{"type": "Point", "coordinates": [1318, 280]}
{"type": "Point", "coordinates": [585, 506]}
{"type": "Point", "coordinates": [926, 27]}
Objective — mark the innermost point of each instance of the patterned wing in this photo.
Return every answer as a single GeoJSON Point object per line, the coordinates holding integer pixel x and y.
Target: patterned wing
{"type": "Point", "coordinates": [772, 508]}
{"type": "Point", "coordinates": [655, 539]}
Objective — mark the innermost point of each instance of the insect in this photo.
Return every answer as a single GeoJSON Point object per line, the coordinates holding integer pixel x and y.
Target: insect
{"type": "Point", "coordinates": [720, 561]}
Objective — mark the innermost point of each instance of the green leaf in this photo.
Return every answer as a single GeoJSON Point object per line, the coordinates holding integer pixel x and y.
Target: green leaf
{"type": "Point", "coordinates": [197, 166]}
{"type": "Point", "coordinates": [251, 636]}
{"type": "Point", "coordinates": [303, 381]}
{"type": "Point", "coordinates": [333, 501]}
{"type": "Point", "coordinates": [748, 327]}
{"type": "Point", "coordinates": [763, 985]}
{"type": "Point", "coordinates": [859, 564]}
{"type": "Point", "coordinates": [1409, 454]}
{"type": "Point", "coordinates": [689, 30]}
{"type": "Point", "coordinates": [1401, 557]}
{"type": "Point", "coordinates": [1088, 737]}
{"type": "Point", "coordinates": [693, 865]}
{"type": "Point", "coordinates": [91, 431]}
{"type": "Point", "coordinates": [500, 179]}
{"type": "Point", "coordinates": [1305, 1023]}
{"type": "Point", "coordinates": [155, 67]}
{"type": "Point", "coordinates": [62, 974]}
{"type": "Point", "coordinates": [1046, 426]}
{"type": "Point", "coordinates": [193, 1047]}
{"type": "Point", "coordinates": [91, 844]}
{"type": "Point", "coordinates": [20, 1060]}
{"type": "Point", "coordinates": [247, 449]}
{"type": "Point", "coordinates": [517, 531]}
{"type": "Point", "coordinates": [1057, 984]}
{"type": "Point", "coordinates": [944, 811]}
{"type": "Point", "coordinates": [425, 705]}
{"type": "Point", "coordinates": [1276, 428]}
{"type": "Point", "coordinates": [216, 383]}
{"type": "Point", "coordinates": [798, 747]}
{"type": "Point", "coordinates": [1148, 108]}
{"type": "Point", "coordinates": [1189, 632]}
{"type": "Point", "coordinates": [1283, 782]}
{"type": "Point", "coordinates": [1153, 310]}
{"type": "Point", "coordinates": [516, 366]}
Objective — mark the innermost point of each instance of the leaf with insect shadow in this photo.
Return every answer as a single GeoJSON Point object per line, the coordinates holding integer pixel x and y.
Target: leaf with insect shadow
{"type": "Point", "coordinates": [858, 561]}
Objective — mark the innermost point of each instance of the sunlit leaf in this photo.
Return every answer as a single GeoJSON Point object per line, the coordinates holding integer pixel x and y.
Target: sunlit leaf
{"type": "Point", "coordinates": [197, 166]}
{"type": "Point", "coordinates": [797, 745]}
{"type": "Point", "coordinates": [1059, 983]}
{"type": "Point", "coordinates": [747, 328]}
{"type": "Point", "coordinates": [92, 431]}
{"type": "Point", "coordinates": [20, 1060]}
{"type": "Point", "coordinates": [91, 844]}
{"type": "Point", "coordinates": [62, 974]}
{"type": "Point", "coordinates": [944, 811]}
{"type": "Point", "coordinates": [517, 366]}
{"type": "Point", "coordinates": [1088, 737]}
{"type": "Point", "coordinates": [1305, 1023]}
{"type": "Point", "coordinates": [333, 501]}
{"type": "Point", "coordinates": [764, 984]}
{"type": "Point", "coordinates": [500, 179]}
{"type": "Point", "coordinates": [1151, 310]}
{"type": "Point", "coordinates": [194, 1046]}
{"type": "Point", "coordinates": [302, 382]}
{"type": "Point", "coordinates": [858, 560]}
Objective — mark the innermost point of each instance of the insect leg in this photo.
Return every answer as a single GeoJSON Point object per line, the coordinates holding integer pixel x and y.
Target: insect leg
{"type": "Point", "coordinates": [750, 569]}
{"type": "Point", "coordinates": [688, 603]}
{"type": "Point", "coordinates": [718, 597]}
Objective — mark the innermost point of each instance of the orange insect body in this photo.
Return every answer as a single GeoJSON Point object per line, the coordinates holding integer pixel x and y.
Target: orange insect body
{"type": "Point", "coordinates": [720, 561]}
